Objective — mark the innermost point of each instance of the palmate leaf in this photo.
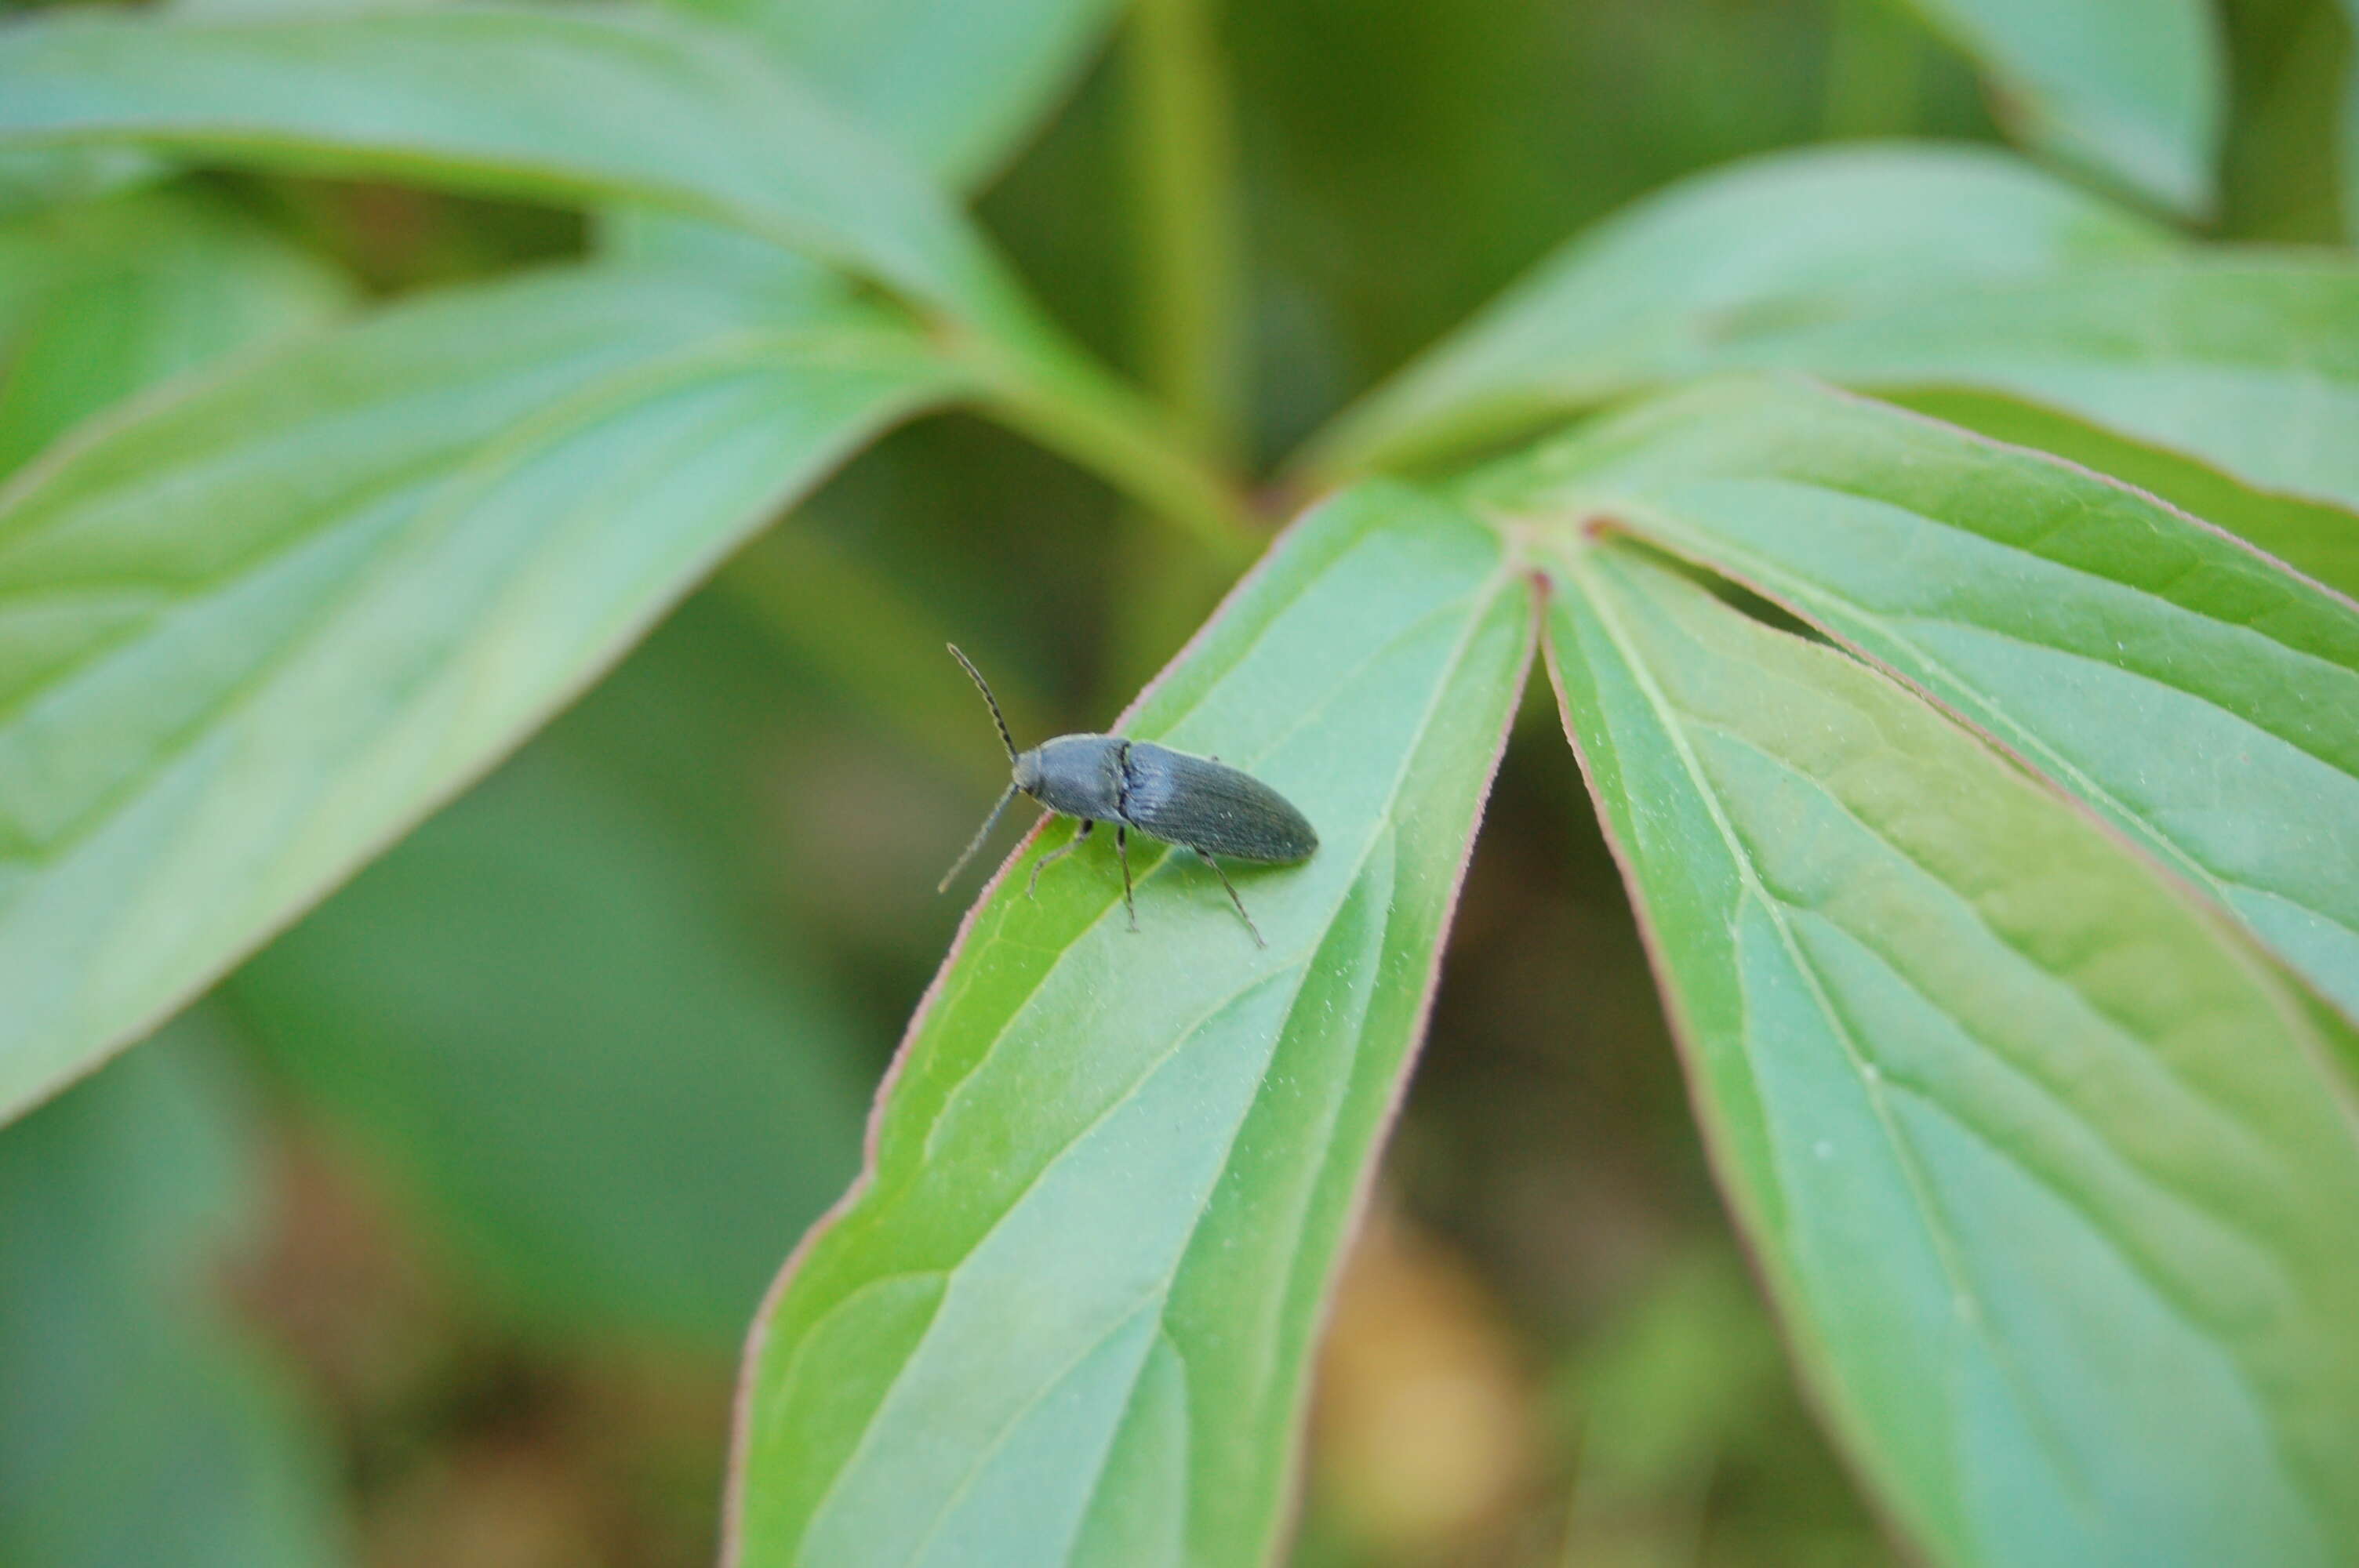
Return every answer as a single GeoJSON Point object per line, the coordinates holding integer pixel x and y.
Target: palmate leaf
{"type": "Point", "coordinates": [2129, 90]}
{"type": "Point", "coordinates": [2203, 699]}
{"type": "Point", "coordinates": [1067, 1315]}
{"type": "Point", "coordinates": [2047, 1170]}
{"type": "Point", "coordinates": [2052, 1168]}
{"type": "Point", "coordinates": [256, 631]}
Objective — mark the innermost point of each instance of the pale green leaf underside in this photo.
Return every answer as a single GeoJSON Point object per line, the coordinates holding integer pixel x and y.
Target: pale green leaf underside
{"type": "Point", "coordinates": [2248, 361]}
{"type": "Point", "coordinates": [2129, 90]}
{"type": "Point", "coordinates": [1934, 277]}
{"type": "Point", "coordinates": [2204, 699]}
{"type": "Point", "coordinates": [251, 634]}
{"type": "Point", "coordinates": [953, 83]}
{"type": "Point", "coordinates": [1791, 237]}
{"type": "Point", "coordinates": [2044, 1166]}
{"type": "Point", "coordinates": [1067, 1317]}
{"type": "Point", "coordinates": [102, 299]}
{"type": "Point", "coordinates": [565, 104]}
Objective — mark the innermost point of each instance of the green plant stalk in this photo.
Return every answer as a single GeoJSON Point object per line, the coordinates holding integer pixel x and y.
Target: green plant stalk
{"type": "Point", "coordinates": [1064, 401]}
{"type": "Point", "coordinates": [1874, 59]}
{"type": "Point", "coordinates": [1188, 286]}
{"type": "Point", "coordinates": [1182, 159]}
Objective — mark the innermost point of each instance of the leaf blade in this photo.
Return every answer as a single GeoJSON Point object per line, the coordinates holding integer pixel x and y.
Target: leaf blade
{"type": "Point", "coordinates": [2192, 692]}
{"type": "Point", "coordinates": [955, 86]}
{"type": "Point", "coordinates": [103, 299]}
{"type": "Point", "coordinates": [1149, 1146]}
{"type": "Point", "coordinates": [2247, 361]}
{"type": "Point", "coordinates": [491, 97]}
{"type": "Point", "coordinates": [417, 537]}
{"type": "Point", "coordinates": [2009, 1122]}
{"type": "Point", "coordinates": [2128, 88]}
{"type": "Point", "coordinates": [1787, 236]}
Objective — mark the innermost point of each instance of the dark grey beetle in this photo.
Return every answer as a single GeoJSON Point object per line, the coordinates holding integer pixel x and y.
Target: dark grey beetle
{"type": "Point", "coordinates": [1197, 803]}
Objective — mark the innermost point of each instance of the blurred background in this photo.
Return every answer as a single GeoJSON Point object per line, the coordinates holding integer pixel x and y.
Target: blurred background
{"type": "Point", "coordinates": [430, 1237]}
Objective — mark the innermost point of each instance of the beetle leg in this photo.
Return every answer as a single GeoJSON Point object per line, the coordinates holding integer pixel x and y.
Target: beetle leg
{"type": "Point", "coordinates": [1032, 888]}
{"type": "Point", "coordinates": [1121, 853]}
{"type": "Point", "coordinates": [1233, 897]}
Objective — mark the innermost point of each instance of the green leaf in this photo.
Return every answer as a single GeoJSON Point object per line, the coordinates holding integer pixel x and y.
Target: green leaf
{"type": "Point", "coordinates": [549, 1016]}
{"type": "Point", "coordinates": [613, 109]}
{"type": "Point", "coordinates": [953, 83]}
{"type": "Point", "coordinates": [569, 105]}
{"type": "Point", "coordinates": [1066, 1318]}
{"type": "Point", "coordinates": [2319, 540]}
{"type": "Point", "coordinates": [1982, 280]}
{"type": "Point", "coordinates": [35, 177]}
{"type": "Point", "coordinates": [2247, 361]}
{"type": "Point", "coordinates": [137, 1423]}
{"type": "Point", "coordinates": [2129, 90]}
{"type": "Point", "coordinates": [1790, 237]}
{"type": "Point", "coordinates": [2046, 1169]}
{"type": "Point", "coordinates": [255, 631]}
{"type": "Point", "coordinates": [2201, 698]}
{"type": "Point", "coordinates": [101, 300]}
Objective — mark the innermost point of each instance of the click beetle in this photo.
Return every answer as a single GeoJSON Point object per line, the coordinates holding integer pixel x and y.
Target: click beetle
{"type": "Point", "coordinates": [1197, 803]}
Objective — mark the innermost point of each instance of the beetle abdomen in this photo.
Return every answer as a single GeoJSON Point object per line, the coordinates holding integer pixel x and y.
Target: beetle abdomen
{"type": "Point", "coordinates": [1209, 805]}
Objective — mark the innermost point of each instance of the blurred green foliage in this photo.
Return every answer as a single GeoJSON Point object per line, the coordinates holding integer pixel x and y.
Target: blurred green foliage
{"type": "Point", "coordinates": [485, 1031]}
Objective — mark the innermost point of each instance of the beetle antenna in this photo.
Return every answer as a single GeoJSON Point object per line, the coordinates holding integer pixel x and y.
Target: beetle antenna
{"type": "Point", "coordinates": [984, 687]}
{"type": "Point", "coordinates": [989, 823]}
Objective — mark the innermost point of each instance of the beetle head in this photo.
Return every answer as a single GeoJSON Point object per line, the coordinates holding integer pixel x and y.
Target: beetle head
{"type": "Point", "coordinates": [1027, 771]}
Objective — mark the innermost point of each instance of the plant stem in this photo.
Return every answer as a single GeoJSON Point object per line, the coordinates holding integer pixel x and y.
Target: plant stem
{"type": "Point", "coordinates": [1067, 404]}
{"type": "Point", "coordinates": [1875, 56]}
{"type": "Point", "coordinates": [1188, 289]}
{"type": "Point", "coordinates": [1182, 153]}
